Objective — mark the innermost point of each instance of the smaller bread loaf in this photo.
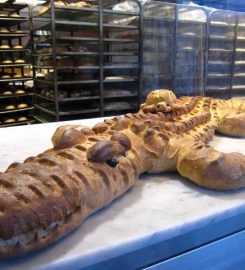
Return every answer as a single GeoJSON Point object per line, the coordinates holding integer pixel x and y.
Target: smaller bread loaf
{"type": "Point", "coordinates": [17, 76]}
{"type": "Point", "coordinates": [5, 46]}
{"type": "Point", "coordinates": [9, 107]}
{"type": "Point", "coordinates": [22, 106]}
{"type": "Point", "coordinates": [7, 92]}
{"type": "Point", "coordinates": [5, 77]}
{"type": "Point", "coordinates": [9, 121]}
{"type": "Point", "coordinates": [19, 31]}
{"type": "Point", "coordinates": [7, 61]}
{"type": "Point", "coordinates": [19, 61]}
{"type": "Point", "coordinates": [4, 30]}
{"type": "Point", "coordinates": [19, 92]}
{"type": "Point", "coordinates": [80, 4]}
{"type": "Point", "coordinates": [60, 3]}
{"type": "Point", "coordinates": [22, 119]}
{"type": "Point", "coordinates": [16, 15]}
{"type": "Point", "coordinates": [18, 47]}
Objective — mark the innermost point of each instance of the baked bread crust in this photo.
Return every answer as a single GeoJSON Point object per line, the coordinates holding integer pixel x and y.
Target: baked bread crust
{"type": "Point", "coordinates": [47, 196]}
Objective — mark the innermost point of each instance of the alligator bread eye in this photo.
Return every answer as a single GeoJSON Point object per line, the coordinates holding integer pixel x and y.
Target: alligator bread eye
{"type": "Point", "coordinates": [112, 162]}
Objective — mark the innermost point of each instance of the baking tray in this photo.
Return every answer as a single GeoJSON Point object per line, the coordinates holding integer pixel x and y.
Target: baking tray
{"type": "Point", "coordinates": [69, 99]}
{"type": "Point", "coordinates": [11, 21]}
{"type": "Point", "coordinates": [14, 50]}
{"type": "Point", "coordinates": [13, 35]}
{"type": "Point", "coordinates": [16, 110]}
{"type": "Point", "coordinates": [15, 95]}
{"type": "Point", "coordinates": [65, 113]}
{"type": "Point", "coordinates": [16, 80]}
{"type": "Point", "coordinates": [14, 65]}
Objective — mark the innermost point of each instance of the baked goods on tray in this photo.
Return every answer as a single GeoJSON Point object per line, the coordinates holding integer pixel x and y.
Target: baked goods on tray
{"type": "Point", "coordinates": [18, 47]}
{"type": "Point", "coordinates": [87, 168]}
{"type": "Point", "coordinates": [19, 61]}
{"type": "Point", "coordinates": [4, 46]}
{"type": "Point", "coordinates": [7, 61]}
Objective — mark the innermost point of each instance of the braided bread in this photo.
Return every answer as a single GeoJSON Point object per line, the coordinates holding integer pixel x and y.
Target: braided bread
{"type": "Point", "coordinates": [47, 196]}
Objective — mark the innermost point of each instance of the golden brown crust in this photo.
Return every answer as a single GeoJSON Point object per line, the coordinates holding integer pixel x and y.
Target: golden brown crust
{"type": "Point", "coordinates": [211, 169]}
{"type": "Point", "coordinates": [233, 124]}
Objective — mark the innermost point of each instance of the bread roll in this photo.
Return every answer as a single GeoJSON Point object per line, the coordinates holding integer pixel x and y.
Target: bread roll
{"type": "Point", "coordinates": [9, 121]}
{"type": "Point", "coordinates": [7, 61]}
{"type": "Point", "coordinates": [17, 76]}
{"type": "Point", "coordinates": [4, 30]}
{"type": "Point", "coordinates": [10, 107]}
{"type": "Point", "coordinates": [5, 77]}
{"type": "Point", "coordinates": [18, 47]}
{"type": "Point", "coordinates": [22, 119]}
{"type": "Point", "coordinates": [19, 61]}
{"type": "Point", "coordinates": [19, 91]}
{"type": "Point", "coordinates": [22, 106]}
{"type": "Point", "coordinates": [7, 92]}
{"type": "Point", "coordinates": [15, 15]}
{"type": "Point", "coordinates": [5, 46]}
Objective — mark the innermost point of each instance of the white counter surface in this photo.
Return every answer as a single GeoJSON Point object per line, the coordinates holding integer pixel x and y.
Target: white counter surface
{"type": "Point", "coordinates": [158, 208]}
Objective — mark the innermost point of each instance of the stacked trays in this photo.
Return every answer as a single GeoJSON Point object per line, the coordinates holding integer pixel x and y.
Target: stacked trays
{"type": "Point", "coordinates": [238, 87]}
{"type": "Point", "coordinates": [226, 60]}
{"type": "Point", "coordinates": [15, 67]}
{"type": "Point", "coordinates": [222, 29]}
{"type": "Point", "coordinates": [174, 48]}
{"type": "Point", "coordinates": [86, 58]}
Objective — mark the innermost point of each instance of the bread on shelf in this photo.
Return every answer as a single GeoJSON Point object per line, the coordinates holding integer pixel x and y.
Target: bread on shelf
{"type": "Point", "coordinates": [4, 46]}
{"type": "Point", "coordinates": [18, 47]}
{"type": "Point", "coordinates": [7, 92]}
{"type": "Point", "coordinates": [19, 61]}
{"type": "Point", "coordinates": [80, 4]}
{"type": "Point", "coordinates": [7, 61]}
{"type": "Point", "coordinates": [5, 76]}
{"type": "Point", "coordinates": [22, 106]}
{"type": "Point", "coordinates": [22, 119]}
{"type": "Point", "coordinates": [19, 32]}
{"type": "Point", "coordinates": [19, 91]}
{"type": "Point", "coordinates": [15, 15]}
{"type": "Point", "coordinates": [10, 107]}
{"type": "Point", "coordinates": [17, 76]}
{"type": "Point", "coordinates": [4, 30]}
{"type": "Point", "coordinates": [9, 121]}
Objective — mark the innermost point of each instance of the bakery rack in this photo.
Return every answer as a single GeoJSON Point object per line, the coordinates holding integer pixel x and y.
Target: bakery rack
{"type": "Point", "coordinates": [175, 48]}
{"type": "Point", "coordinates": [221, 53]}
{"type": "Point", "coordinates": [86, 59]}
{"type": "Point", "coordinates": [226, 64]}
{"type": "Point", "coordinates": [15, 65]}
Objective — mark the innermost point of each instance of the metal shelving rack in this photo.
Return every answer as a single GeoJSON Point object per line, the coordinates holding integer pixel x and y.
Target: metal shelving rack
{"type": "Point", "coordinates": [80, 60]}
{"type": "Point", "coordinates": [15, 67]}
{"type": "Point", "coordinates": [225, 69]}
{"type": "Point", "coordinates": [175, 48]}
{"type": "Point", "coordinates": [221, 53]}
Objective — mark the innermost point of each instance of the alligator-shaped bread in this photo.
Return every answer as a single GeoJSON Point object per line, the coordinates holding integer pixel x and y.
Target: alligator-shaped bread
{"type": "Point", "coordinates": [47, 196]}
